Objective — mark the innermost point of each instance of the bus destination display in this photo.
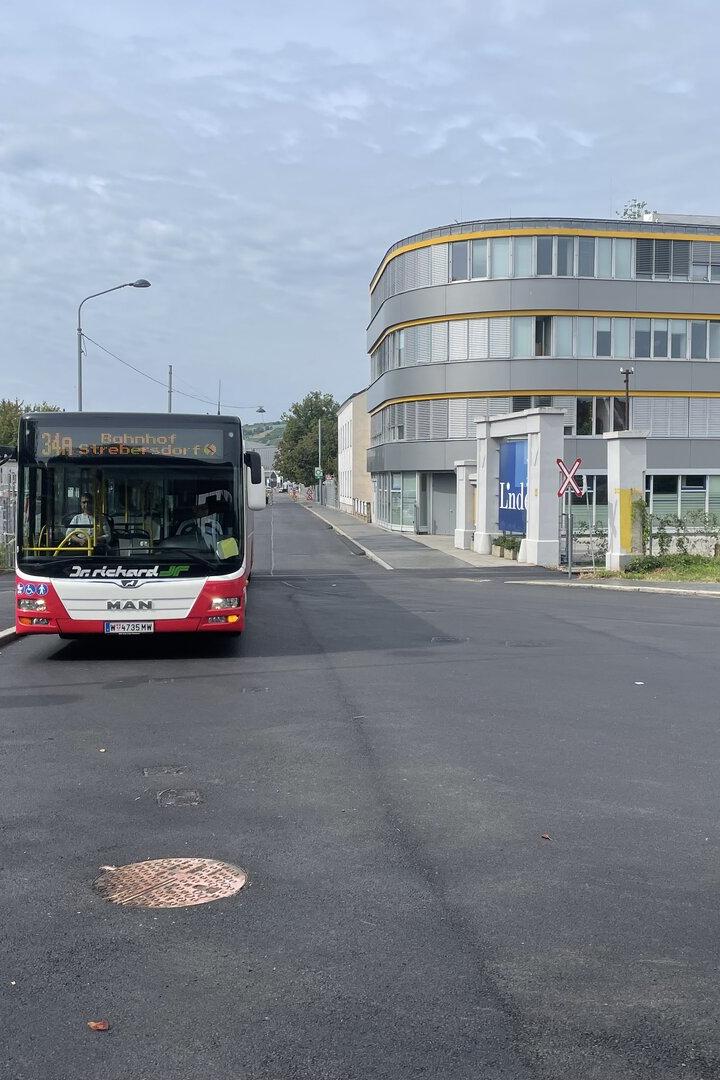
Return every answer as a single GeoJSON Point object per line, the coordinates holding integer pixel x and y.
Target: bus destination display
{"type": "Point", "coordinates": [191, 444]}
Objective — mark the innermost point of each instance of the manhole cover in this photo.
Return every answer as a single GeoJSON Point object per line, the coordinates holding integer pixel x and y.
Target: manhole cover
{"type": "Point", "coordinates": [170, 883]}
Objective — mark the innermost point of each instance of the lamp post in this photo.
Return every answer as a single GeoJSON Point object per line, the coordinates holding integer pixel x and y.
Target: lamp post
{"type": "Point", "coordinates": [141, 283]}
{"type": "Point", "coordinates": [626, 372]}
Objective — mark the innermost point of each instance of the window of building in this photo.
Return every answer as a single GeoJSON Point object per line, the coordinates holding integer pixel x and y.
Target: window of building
{"type": "Point", "coordinates": [661, 268]}
{"type": "Point", "coordinates": [500, 258]}
{"type": "Point", "coordinates": [619, 414]}
{"type": "Point", "coordinates": [642, 338]}
{"type": "Point", "coordinates": [623, 258]}
{"type": "Point", "coordinates": [519, 404]}
{"type": "Point", "coordinates": [700, 267]}
{"type": "Point", "coordinates": [523, 336]}
{"type": "Point", "coordinates": [678, 339]}
{"type": "Point", "coordinates": [565, 256]}
{"type": "Point", "coordinates": [621, 338]}
{"type": "Point", "coordinates": [584, 421]}
{"type": "Point", "coordinates": [603, 337]}
{"type": "Point", "coordinates": [664, 494]}
{"type": "Point", "coordinates": [698, 340]}
{"type": "Point", "coordinates": [604, 257]}
{"type": "Point", "coordinates": [681, 259]}
{"type": "Point", "coordinates": [603, 415]}
{"type": "Point", "coordinates": [459, 261]}
{"type": "Point", "coordinates": [544, 257]}
{"type": "Point", "coordinates": [395, 498]}
{"type": "Point", "coordinates": [544, 401]}
{"type": "Point", "coordinates": [543, 336]}
{"type": "Point", "coordinates": [586, 256]}
{"type": "Point", "coordinates": [479, 259]}
{"type": "Point", "coordinates": [714, 340]}
{"type": "Point", "coordinates": [585, 337]}
{"type": "Point", "coordinates": [564, 335]}
{"type": "Point", "coordinates": [522, 256]}
{"type": "Point", "coordinates": [643, 258]}
{"type": "Point", "coordinates": [409, 496]}
{"type": "Point", "coordinates": [715, 262]}
{"type": "Point", "coordinates": [399, 348]}
{"type": "Point", "coordinates": [660, 338]}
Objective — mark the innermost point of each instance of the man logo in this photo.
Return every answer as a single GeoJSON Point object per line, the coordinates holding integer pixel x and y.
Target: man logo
{"type": "Point", "coordinates": [129, 605]}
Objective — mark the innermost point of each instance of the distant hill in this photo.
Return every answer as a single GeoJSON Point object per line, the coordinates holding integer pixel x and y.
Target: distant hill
{"type": "Point", "coordinates": [269, 432]}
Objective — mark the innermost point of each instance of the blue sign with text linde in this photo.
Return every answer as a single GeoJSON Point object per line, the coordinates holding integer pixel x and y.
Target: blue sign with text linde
{"type": "Point", "coordinates": [512, 503]}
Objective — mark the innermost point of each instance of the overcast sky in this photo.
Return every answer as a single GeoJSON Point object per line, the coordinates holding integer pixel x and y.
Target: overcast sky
{"type": "Point", "coordinates": [254, 161]}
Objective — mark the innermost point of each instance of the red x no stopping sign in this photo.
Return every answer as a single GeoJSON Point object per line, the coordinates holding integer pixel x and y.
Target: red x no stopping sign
{"type": "Point", "coordinates": [569, 474]}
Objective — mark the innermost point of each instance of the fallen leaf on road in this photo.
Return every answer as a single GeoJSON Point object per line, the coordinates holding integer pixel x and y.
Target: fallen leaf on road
{"type": "Point", "coordinates": [545, 836]}
{"type": "Point", "coordinates": [98, 1025]}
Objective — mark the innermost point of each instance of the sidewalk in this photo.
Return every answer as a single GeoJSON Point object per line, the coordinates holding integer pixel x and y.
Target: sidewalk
{"type": "Point", "coordinates": [405, 551]}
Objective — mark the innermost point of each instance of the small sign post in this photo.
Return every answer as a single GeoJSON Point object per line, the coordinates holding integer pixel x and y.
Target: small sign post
{"type": "Point", "coordinates": [569, 483]}
{"type": "Point", "coordinates": [318, 473]}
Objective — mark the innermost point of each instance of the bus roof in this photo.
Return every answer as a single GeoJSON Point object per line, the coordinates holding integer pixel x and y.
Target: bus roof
{"type": "Point", "coordinates": [136, 417]}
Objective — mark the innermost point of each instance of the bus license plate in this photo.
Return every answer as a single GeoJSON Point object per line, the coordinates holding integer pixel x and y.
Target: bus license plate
{"type": "Point", "coordinates": [129, 627]}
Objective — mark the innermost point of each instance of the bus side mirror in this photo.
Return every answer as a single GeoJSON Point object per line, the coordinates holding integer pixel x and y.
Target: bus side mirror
{"type": "Point", "coordinates": [255, 480]}
{"type": "Point", "coordinates": [7, 453]}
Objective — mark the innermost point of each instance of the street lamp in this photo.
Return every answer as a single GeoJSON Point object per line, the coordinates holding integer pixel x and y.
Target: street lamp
{"type": "Point", "coordinates": [626, 372]}
{"type": "Point", "coordinates": [141, 283]}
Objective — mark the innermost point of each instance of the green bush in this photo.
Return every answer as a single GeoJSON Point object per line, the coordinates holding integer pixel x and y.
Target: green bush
{"type": "Point", "coordinates": [645, 564]}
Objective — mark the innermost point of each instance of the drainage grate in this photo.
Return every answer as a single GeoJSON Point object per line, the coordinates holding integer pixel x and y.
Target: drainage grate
{"type": "Point", "coordinates": [170, 883]}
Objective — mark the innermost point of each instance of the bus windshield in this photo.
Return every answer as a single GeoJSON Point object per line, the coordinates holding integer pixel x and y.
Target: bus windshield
{"type": "Point", "coordinates": [91, 508]}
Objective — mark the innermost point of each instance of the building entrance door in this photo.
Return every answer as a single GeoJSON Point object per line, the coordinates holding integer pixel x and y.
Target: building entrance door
{"type": "Point", "coordinates": [444, 495]}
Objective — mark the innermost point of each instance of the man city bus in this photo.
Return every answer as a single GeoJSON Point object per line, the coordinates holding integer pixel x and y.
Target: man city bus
{"type": "Point", "coordinates": [134, 523]}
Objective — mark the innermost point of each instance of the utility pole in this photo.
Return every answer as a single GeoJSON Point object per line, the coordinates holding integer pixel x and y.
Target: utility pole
{"type": "Point", "coordinates": [219, 392]}
{"type": "Point", "coordinates": [626, 372]}
{"type": "Point", "coordinates": [320, 459]}
{"type": "Point", "coordinates": [169, 388]}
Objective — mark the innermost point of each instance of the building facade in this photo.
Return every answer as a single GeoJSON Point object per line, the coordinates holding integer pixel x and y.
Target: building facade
{"type": "Point", "coordinates": [485, 318]}
{"type": "Point", "coordinates": [354, 483]}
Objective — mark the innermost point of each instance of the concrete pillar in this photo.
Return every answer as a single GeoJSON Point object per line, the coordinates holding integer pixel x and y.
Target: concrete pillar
{"type": "Point", "coordinates": [465, 505]}
{"type": "Point", "coordinates": [486, 519]}
{"type": "Point", "coordinates": [545, 446]}
{"type": "Point", "coordinates": [626, 462]}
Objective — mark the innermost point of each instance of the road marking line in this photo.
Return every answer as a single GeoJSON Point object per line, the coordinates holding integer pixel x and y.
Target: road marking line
{"type": "Point", "coordinates": [7, 636]}
{"type": "Point", "coordinates": [619, 588]}
{"type": "Point", "coordinates": [370, 554]}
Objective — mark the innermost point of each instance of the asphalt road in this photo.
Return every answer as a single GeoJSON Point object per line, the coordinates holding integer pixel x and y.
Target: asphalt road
{"type": "Point", "coordinates": [382, 753]}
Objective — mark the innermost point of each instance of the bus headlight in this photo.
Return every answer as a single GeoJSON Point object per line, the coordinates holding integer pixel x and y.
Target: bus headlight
{"type": "Point", "coordinates": [31, 605]}
{"type": "Point", "coordinates": [224, 602]}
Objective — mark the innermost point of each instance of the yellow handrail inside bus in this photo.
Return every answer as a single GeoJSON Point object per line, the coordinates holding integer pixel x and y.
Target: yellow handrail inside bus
{"type": "Point", "coordinates": [68, 538]}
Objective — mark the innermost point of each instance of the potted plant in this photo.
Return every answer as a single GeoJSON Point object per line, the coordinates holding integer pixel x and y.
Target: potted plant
{"type": "Point", "coordinates": [512, 547]}
{"type": "Point", "coordinates": [497, 546]}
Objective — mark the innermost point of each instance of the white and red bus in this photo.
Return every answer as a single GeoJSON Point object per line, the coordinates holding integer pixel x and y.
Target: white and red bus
{"type": "Point", "coordinates": [134, 523]}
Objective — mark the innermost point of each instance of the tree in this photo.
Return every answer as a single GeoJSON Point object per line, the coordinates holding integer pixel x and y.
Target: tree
{"type": "Point", "coordinates": [10, 413]}
{"type": "Point", "coordinates": [633, 209]}
{"type": "Point", "coordinates": [297, 454]}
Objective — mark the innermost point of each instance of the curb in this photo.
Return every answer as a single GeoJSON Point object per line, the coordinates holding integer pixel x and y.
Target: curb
{"type": "Point", "coordinates": [6, 636]}
{"type": "Point", "coordinates": [621, 588]}
{"type": "Point", "coordinates": [366, 551]}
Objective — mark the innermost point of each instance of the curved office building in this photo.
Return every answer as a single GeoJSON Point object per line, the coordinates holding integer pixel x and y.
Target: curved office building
{"type": "Point", "coordinates": [490, 317]}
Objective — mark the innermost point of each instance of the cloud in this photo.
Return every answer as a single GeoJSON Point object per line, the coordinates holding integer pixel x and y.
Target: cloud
{"type": "Point", "coordinates": [256, 169]}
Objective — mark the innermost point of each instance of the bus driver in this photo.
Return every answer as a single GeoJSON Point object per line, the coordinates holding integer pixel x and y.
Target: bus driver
{"type": "Point", "coordinates": [80, 527]}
